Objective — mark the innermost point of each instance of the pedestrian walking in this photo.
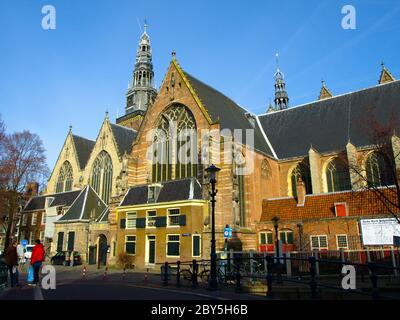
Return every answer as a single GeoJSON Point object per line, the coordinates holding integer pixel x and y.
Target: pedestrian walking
{"type": "Point", "coordinates": [37, 259]}
{"type": "Point", "coordinates": [11, 259]}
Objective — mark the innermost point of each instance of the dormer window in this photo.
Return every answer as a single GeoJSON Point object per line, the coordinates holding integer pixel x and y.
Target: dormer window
{"type": "Point", "coordinates": [153, 192]}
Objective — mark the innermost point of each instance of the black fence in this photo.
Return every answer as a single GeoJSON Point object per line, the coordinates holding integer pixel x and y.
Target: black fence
{"type": "Point", "coordinates": [242, 272]}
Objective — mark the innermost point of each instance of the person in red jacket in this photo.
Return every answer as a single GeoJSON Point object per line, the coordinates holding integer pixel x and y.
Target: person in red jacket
{"type": "Point", "coordinates": [36, 260]}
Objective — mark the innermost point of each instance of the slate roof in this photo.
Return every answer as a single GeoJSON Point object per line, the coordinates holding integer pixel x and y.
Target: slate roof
{"type": "Point", "coordinates": [124, 138]}
{"type": "Point", "coordinates": [83, 149]}
{"type": "Point", "coordinates": [328, 125]}
{"type": "Point", "coordinates": [175, 190]}
{"type": "Point", "coordinates": [60, 199]}
{"type": "Point", "coordinates": [83, 206]}
{"type": "Point", "coordinates": [230, 114]}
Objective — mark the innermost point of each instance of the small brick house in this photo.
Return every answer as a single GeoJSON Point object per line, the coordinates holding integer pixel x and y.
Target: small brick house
{"type": "Point", "coordinates": [329, 221]}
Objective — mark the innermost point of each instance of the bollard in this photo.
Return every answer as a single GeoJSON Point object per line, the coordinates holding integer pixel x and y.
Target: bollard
{"type": "Point", "coordinates": [269, 261]}
{"type": "Point", "coordinates": [178, 274]}
{"type": "Point", "coordinates": [231, 260]}
{"type": "Point", "coordinates": [313, 272]}
{"type": "Point", "coordinates": [165, 274]}
{"type": "Point", "coordinates": [316, 255]}
{"type": "Point", "coordinates": [288, 265]}
{"type": "Point", "coordinates": [395, 271]}
{"type": "Point", "coordinates": [238, 287]}
{"type": "Point", "coordinates": [105, 273]}
{"type": "Point", "coordinates": [342, 258]}
{"type": "Point", "coordinates": [84, 272]}
{"type": "Point", "coordinates": [265, 262]}
{"type": "Point", "coordinates": [194, 274]}
{"type": "Point", "coordinates": [374, 280]}
{"type": "Point", "coordinates": [252, 268]}
{"type": "Point", "coordinates": [124, 274]}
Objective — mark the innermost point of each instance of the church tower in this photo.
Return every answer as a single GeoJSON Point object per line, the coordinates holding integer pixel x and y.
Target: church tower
{"type": "Point", "coordinates": [281, 96]}
{"type": "Point", "coordinates": [141, 91]}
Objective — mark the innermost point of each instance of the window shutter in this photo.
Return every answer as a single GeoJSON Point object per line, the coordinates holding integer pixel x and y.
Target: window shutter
{"type": "Point", "coordinates": [182, 220]}
{"type": "Point", "coordinates": [341, 209]}
{"type": "Point", "coordinates": [141, 223]}
{"type": "Point", "coordinates": [122, 223]}
{"type": "Point", "coordinates": [196, 246]}
{"type": "Point", "coordinates": [161, 222]}
{"type": "Point", "coordinates": [71, 241]}
{"type": "Point", "coordinates": [60, 241]}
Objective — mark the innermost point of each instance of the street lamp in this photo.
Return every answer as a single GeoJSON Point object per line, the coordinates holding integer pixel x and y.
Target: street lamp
{"type": "Point", "coordinates": [213, 283]}
{"type": "Point", "coordinates": [275, 220]}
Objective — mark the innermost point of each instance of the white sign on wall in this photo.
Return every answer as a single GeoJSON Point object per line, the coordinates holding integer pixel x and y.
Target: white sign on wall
{"type": "Point", "coordinates": [379, 232]}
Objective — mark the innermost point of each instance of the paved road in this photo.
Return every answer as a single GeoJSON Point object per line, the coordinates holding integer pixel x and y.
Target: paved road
{"type": "Point", "coordinates": [71, 286]}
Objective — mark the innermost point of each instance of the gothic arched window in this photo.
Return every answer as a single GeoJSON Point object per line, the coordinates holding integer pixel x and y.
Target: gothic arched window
{"type": "Point", "coordinates": [101, 178]}
{"type": "Point", "coordinates": [265, 169]}
{"type": "Point", "coordinates": [337, 176]}
{"type": "Point", "coordinates": [302, 171]}
{"type": "Point", "coordinates": [175, 142]}
{"type": "Point", "coordinates": [65, 178]}
{"type": "Point", "coordinates": [377, 170]}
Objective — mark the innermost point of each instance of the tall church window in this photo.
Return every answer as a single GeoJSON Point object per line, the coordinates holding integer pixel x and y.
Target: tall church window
{"type": "Point", "coordinates": [378, 171]}
{"type": "Point", "coordinates": [65, 178]}
{"type": "Point", "coordinates": [337, 176]}
{"type": "Point", "coordinates": [302, 171]}
{"type": "Point", "coordinates": [174, 145]}
{"type": "Point", "coordinates": [101, 178]}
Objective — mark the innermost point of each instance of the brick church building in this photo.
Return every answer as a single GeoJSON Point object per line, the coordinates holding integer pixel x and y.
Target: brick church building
{"type": "Point", "coordinates": [141, 187]}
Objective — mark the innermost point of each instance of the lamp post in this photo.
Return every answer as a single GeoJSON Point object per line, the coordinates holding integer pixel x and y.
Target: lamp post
{"type": "Point", "coordinates": [213, 283]}
{"type": "Point", "coordinates": [275, 220]}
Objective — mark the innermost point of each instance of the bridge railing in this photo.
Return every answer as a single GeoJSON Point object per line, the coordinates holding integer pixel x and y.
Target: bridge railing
{"type": "Point", "coordinates": [239, 270]}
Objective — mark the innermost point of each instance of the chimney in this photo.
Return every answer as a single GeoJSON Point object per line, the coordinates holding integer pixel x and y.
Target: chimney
{"type": "Point", "coordinates": [301, 192]}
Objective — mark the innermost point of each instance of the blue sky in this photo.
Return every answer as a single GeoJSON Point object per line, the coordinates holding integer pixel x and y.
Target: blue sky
{"type": "Point", "coordinates": [72, 75]}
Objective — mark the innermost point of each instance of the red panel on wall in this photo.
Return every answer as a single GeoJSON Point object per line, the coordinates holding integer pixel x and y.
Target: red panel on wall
{"type": "Point", "coordinates": [341, 209]}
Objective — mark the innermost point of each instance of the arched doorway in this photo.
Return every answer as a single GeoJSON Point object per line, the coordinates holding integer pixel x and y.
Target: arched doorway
{"type": "Point", "coordinates": [102, 253]}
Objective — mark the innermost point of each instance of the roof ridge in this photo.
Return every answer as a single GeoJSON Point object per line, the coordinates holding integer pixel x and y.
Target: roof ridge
{"type": "Point", "coordinates": [216, 90]}
{"type": "Point", "coordinates": [77, 136]}
{"type": "Point", "coordinates": [332, 98]}
{"type": "Point", "coordinates": [123, 127]}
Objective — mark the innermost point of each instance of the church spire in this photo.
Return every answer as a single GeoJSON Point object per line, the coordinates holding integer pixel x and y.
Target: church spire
{"type": "Point", "coordinates": [281, 96]}
{"type": "Point", "coordinates": [141, 91]}
{"type": "Point", "coordinates": [386, 76]}
{"type": "Point", "coordinates": [270, 107]}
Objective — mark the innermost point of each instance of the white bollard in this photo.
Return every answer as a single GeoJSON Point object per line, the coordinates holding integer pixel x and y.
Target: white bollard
{"type": "Point", "coordinates": [288, 265]}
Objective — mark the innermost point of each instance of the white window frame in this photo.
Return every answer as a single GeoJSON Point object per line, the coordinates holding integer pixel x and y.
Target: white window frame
{"type": "Point", "coordinates": [147, 219]}
{"type": "Point", "coordinates": [24, 219]}
{"type": "Point", "coordinates": [319, 242]}
{"type": "Point", "coordinates": [126, 241]}
{"type": "Point", "coordinates": [43, 218]}
{"type": "Point", "coordinates": [266, 238]}
{"type": "Point", "coordinates": [32, 241]}
{"type": "Point", "coordinates": [41, 236]}
{"type": "Point", "coordinates": [174, 215]}
{"type": "Point", "coordinates": [166, 245]}
{"type": "Point", "coordinates": [34, 219]}
{"type": "Point", "coordinates": [286, 231]}
{"type": "Point", "coordinates": [337, 241]}
{"type": "Point", "coordinates": [126, 220]}
{"type": "Point", "coordinates": [200, 245]}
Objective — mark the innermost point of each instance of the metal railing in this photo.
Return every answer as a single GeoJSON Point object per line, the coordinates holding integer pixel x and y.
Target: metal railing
{"type": "Point", "coordinates": [243, 270]}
